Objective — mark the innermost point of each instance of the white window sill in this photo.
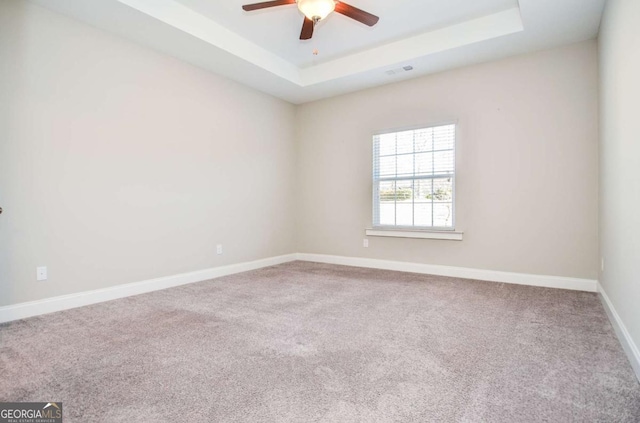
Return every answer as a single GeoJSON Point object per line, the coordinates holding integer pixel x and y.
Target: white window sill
{"type": "Point", "coordinates": [412, 233]}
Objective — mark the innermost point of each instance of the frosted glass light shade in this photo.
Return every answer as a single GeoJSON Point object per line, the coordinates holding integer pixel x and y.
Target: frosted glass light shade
{"type": "Point", "coordinates": [316, 9]}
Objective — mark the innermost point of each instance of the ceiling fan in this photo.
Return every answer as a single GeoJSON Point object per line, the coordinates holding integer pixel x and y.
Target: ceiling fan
{"type": "Point", "coordinates": [316, 10]}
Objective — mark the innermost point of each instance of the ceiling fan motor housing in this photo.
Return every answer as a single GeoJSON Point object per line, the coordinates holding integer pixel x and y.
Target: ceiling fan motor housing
{"type": "Point", "coordinates": [316, 10]}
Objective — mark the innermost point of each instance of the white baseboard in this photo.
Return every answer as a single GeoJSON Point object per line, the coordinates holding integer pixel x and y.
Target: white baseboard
{"type": "Point", "coordinates": [458, 272]}
{"type": "Point", "coordinates": [65, 302]}
{"type": "Point", "coordinates": [633, 353]}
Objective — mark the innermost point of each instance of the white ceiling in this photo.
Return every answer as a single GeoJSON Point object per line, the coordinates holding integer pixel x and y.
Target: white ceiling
{"type": "Point", "coordinates": [278, 29]}
{"type": "Point", "coordinates": [261, 49]}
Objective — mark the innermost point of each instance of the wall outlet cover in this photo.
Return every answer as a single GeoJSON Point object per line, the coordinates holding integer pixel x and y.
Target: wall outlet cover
{"type": "Point", "coordinates": [41, 273]}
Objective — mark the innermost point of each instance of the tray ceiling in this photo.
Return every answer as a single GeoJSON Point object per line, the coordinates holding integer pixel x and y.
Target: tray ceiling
{"type": "Point", "coordinates": [261, 49]}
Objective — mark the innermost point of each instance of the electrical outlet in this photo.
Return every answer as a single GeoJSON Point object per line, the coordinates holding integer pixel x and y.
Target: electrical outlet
{"type": "Point", "coordinates": [219, 249]}
{"type": "Point", "coordinates": [365, 243]}
{"type": "Point", "coordinates": [41, 273]}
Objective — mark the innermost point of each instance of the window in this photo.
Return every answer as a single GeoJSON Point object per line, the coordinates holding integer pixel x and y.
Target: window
{"type": "Point", "coordinates": [414, 178]}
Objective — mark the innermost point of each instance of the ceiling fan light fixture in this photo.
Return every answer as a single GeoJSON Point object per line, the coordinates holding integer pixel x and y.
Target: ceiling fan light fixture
{"type": "Point", "coordinates": [316, 9]}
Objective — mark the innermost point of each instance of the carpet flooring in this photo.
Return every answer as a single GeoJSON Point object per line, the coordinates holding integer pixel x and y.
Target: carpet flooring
{"type": "Point", "coordinates": [305, 342]}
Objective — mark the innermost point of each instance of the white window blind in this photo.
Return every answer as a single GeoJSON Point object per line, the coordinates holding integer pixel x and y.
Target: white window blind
{"type": "Point", "coordinates": [414, 178]}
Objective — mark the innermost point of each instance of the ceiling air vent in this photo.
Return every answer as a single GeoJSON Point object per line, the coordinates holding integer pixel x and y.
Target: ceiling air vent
{"type": "Point", "coordinates": [399, 70]}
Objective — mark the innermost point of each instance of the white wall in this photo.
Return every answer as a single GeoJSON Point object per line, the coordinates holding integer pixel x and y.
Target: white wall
{"type": "Point", "coordinates": [619, 47]}
{"type": "Point", "coordinates": [118, 164]}
{"type": "Point", "coordinates": [527, 160]}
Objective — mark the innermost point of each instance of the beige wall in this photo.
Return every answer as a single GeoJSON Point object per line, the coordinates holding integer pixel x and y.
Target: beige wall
{"type": "Point", "coordinates": [118, 164]}
{"type": "Point", "coordinates": [527, 161]}
{"type": "Point", "coordinates": [619, 46]}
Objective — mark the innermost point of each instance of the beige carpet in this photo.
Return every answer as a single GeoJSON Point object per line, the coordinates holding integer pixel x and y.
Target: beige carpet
{"type": "Point", "coordinates": [305, 342]}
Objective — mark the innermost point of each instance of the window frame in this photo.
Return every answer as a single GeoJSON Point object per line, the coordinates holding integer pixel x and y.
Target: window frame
{"type": "Point", "coordinates": [376, 226]}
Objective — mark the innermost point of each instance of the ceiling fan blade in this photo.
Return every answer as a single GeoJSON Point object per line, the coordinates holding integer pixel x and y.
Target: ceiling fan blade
{"type": "Point", "coordinates": [307, 29]}
{"type": "Point", "coordinates": [357, 14]}
{"type": "Point", "coordinates": [264, 5]}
